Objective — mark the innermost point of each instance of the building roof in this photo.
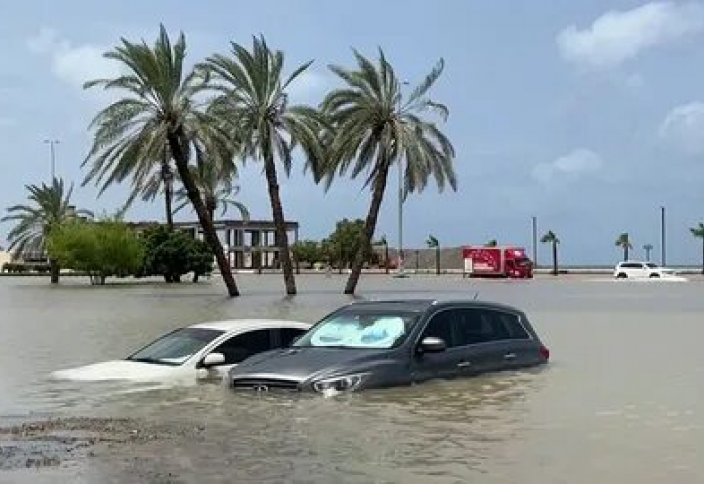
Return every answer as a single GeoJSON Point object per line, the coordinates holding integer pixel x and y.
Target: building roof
{"type": "Point", "coordinates": [222, 224]}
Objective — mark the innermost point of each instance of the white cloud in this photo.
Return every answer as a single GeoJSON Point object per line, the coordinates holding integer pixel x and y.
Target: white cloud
{"type": "Point", "coordinates": [569, 167]}
{"type": "Point", "coordinates": [683, 128]}
{"type": "Point", "coordinates": [618, 36]}
{"type": "Point", "coordinates": [73, 64]}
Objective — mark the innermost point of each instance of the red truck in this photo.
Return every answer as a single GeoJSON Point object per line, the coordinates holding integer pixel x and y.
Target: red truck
{"type": "Point", "coordinates": [506, 261]}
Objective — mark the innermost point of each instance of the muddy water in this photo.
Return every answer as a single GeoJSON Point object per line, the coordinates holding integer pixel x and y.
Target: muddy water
{"type": "Point", "coordinates": [622, 400]}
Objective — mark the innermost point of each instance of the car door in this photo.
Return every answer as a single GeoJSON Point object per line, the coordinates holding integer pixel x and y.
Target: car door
{"type": "Point", "coordinates": [516, 348]}
{"type": "Point", "coordinates": [445, 364]}
{"type": "Point", "coordinates": [483, 346]}
{"type": "Point", "coordinates": [237, 349]}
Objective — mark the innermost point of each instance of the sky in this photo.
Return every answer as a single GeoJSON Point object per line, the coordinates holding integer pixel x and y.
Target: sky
{"type": "Point", "coordinates": [588, 115]}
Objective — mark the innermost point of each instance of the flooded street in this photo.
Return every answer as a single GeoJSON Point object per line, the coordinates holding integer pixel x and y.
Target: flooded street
{"type": "Point", "coordinates": [621, 401]}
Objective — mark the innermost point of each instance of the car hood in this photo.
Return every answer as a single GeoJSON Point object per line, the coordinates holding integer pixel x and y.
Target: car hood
{"type": "Point", "coordinates": [305, 363]}
{"type": "Point", "coordinates": [117, 370]}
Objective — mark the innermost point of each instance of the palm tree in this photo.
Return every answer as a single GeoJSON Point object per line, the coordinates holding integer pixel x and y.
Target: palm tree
{"type": "Point", "coordinates": [50, 208]}
{"type": "Point", "coordinates": [159, 106]}
{"type": "Point", "coordinates": [253, 96]}
{"type": "Point", "coordinates": [551, 238]}
{"type": "Point", "coordinates": [624, 242]}
{"type": "Point", "coordinates": [648, 248]}
{"type": "Point", "coordinates": [491, 243]}
{"type": "Point", "coordinates": [375, 127]}
{"type": "Point", "coordinates": [216, 189]}
{"type": "Point", "coordinates": [433, 242]}
{"type": "Point", "coordinates": [698, 232]}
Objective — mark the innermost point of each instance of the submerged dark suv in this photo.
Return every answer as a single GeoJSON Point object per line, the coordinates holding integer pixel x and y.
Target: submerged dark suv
{"type": "Point", "coordinates": [387, 343]}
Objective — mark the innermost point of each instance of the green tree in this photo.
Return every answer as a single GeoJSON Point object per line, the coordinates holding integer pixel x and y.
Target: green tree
{"type": "Point", "coordinates": [698, 232]}
{"type": "Point", "coordinates": [160, 106]}
{"type": "Point", "coordinates": [172, 254]}
{"type": "Point", "coordinates": [50, 207]}
{"type": "Point", "coordinates": [624, 242]}
{"type": "Point", "coordinates": [551, 238]}
{"type": "Point", "coordinates": [491, 243]}
{"type": "Point", "coordinates": [307, 251]}
{"type": "Point", "coordinates": [102, 249]}
{"type": "Point", "coordinates": [343, 244]}
{"type": "Point", "coordinates": [434, 243]}
{"type": "Point", "coordinates": [253, 96]}
{"type": "Point", "coordinates": [375, 127]}
{"type": "Point", "coordinates": [217, 189]}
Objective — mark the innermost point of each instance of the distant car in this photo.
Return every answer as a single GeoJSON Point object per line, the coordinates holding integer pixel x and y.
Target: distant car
{"type": "Point", "coordinates": [641, 270]}
{"type": "Point", "coordinates": [200, 351]}
{"type": "Point", "coordinates": [382, 344]}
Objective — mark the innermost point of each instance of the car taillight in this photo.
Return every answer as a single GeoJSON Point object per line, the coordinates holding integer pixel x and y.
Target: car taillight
{"type": "Point", "coordinates": [544, 352]}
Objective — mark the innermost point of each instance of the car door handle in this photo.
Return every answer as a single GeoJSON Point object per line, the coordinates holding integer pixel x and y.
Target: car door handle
{"type": "Point", "coordinates": [463, 364]}
{"type": "Point", "coordinates": [510, 356]}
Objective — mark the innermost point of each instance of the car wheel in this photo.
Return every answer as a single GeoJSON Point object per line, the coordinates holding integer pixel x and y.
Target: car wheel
{"type": "Point", "coordinates": [621, 275]}
{"type": "Point", "coordinates": [654, 276]}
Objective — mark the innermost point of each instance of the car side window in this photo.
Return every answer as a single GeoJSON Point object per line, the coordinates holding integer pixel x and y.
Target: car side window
{"type": "Point", "coordinates": [440, 326]}
{"type": "Point", "coordinates": [475, 326]}
{"type": "Point", "coordinates": [240, 347]}
{"type": "Point", "coordinates": [287, 335]}
{"type": "Point", "coordinates": [512, 324]}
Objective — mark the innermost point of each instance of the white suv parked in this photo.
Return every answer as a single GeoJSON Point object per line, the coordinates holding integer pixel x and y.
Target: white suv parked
{"type": "Point", "coordinates": [640, 270]}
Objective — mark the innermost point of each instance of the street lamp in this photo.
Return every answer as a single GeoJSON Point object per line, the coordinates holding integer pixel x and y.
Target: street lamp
{"type": "Point", "coordinates": [52, 143]}
{"type": "Point", "coordinates": [535, 241]}
{"type": "Point", "coordinates": [663, 260]}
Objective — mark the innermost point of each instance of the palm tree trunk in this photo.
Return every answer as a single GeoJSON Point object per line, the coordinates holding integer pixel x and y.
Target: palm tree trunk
{"type": "Point", "coordinates": [279, 225]}
{"type": "Point", "coordinates": [369, 227]}
{"type": "Point", "coordinates": [167, 178]}
{"type": "Point", "coordinates": [625, 252]}
{"type": "Point", "coordinates": [554, 258]}
{"type": "Point", "coordinates": [55, 271]}
{"type": "Point", "coordinates": [702, 254]}
{"type": "Point", "coordinates": [437, 260]}
{"type": "Point", "coordinates": [205, 221]}
{"type": "Point", "coordinates": [169, 196]}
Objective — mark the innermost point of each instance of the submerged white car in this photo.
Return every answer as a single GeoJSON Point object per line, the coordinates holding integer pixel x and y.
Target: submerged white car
{"type": "Point", "coordinates": [641, 270]}
{"type": "Point", "coordinates": [204, 351]}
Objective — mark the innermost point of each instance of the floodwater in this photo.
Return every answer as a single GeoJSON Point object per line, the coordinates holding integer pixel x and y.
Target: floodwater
{"type": "Point", "coordinates": [621, 401]}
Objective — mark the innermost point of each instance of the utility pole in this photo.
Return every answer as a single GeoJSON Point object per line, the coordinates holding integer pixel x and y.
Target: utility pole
{"type": "Point", "coordinates": [663, 260]}
{"type": "Point", "coordinates": [52, 143]}
{"type": "Point", "coordinates": [535, 241]}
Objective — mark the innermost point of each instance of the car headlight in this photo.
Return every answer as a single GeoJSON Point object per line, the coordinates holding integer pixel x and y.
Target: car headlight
{"type": "Point", "coordinates": [344, 383]}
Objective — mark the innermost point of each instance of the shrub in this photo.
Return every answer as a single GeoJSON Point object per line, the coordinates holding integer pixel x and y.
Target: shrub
{"type": "Point", "coordinates": [172, 254]}
{"type": "Point", "coordinates": [102, 249]}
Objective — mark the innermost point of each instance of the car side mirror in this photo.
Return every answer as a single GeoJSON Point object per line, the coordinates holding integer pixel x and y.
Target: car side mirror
{"type": "Point", "coordinates": [432, 344]}
{"type": "Point", "coordinates": [213, 359]}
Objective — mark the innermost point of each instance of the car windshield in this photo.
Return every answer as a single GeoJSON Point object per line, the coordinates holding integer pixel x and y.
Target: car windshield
{"type": "Point", "coordinates": [352, 329]}
{"type": "Point", "coordinates": [523, 262]}
{"type": "Point", "coordinates": [177, 347]}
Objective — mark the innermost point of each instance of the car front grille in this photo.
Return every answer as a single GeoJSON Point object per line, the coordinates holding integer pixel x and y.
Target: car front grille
{"type": "Point", "coordinates": [264, 384]}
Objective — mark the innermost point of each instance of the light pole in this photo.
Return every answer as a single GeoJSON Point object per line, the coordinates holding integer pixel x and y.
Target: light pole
{"type": "Point", "coordinates": [663, 260]}
{"type": "Point", "coordinates": [535, 241]}
{"type": "Point", "coordinates": [52, 143]}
